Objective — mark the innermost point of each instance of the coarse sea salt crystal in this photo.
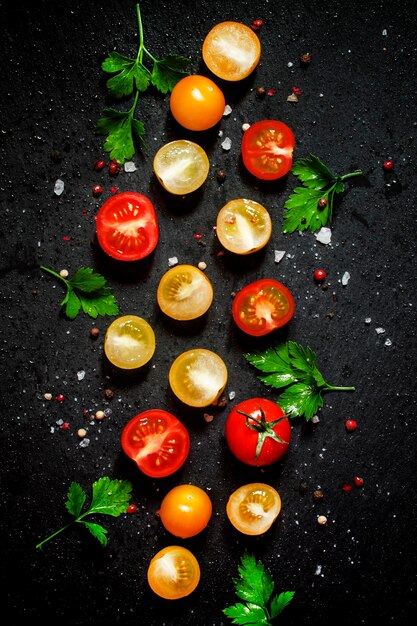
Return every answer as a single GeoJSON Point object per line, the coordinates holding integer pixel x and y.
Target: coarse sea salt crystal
{"type": "Point", "coordinates": [129, 166]}
{"type": "Point", "coordinates": [324, 235]}
{"type": "Point", "coordinates": [232, 395]}
{"type": "Point", "coordinates": [227, 144]}
{"type": "Point", "coordinates": [379, 330]}
{"type": "Point", "coordinates": [84, 443]}
{"type": "Point", "coordinates": [345, 278]}
{"type": "Point", "coordinates": [172, 261]}
{"type": "Point", "coordinates": [388, 342]}
{"type": "Point", "coordinates": [318, 570]}
{"type": "Point", "coordinates": [59, 187]}
{"type": "Point", "coordinates": [278, 255]}
{"type": "Point", "coordinates": [227, 110]}
{"type": "Point", "coordinates": [368, 320]}
{"type": "Point", "coordinates": [80, 374]}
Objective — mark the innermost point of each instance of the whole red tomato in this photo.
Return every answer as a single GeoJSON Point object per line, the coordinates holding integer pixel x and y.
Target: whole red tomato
{"type": "Point", "coordinates": [258, 432]}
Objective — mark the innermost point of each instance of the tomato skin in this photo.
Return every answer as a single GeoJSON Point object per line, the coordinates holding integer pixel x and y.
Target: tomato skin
{"type": "Point", "coordinates": [262, 307]}
{"type": "Point", "coordinates": [197, 103]}
{"type": "Point", "coordinates": [173, 573]}
{"type": "Point", "coordinates": [267, 149]}
{"type": "Point", "coordinates": [157, 441]}
{"type": "Point", "coordinates": [185, 511]}
{"type": "Point", "coordinates": [243, 440]}
{"type": "Point", "coordinates": [127, 226]}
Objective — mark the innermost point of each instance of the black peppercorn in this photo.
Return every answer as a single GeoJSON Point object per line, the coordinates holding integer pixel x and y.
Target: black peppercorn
{"type": "Point", "coordinates": [221, 175]}
{"type": "Point", "coordinates": [302, 487]}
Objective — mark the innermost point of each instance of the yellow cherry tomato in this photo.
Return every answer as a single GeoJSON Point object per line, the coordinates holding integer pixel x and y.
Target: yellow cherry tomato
{"type": "Point", "coordinates": [231, 51]}
{"type": "Point", "coordinates": [184, 292]}
{"type": "Point", "coordinates": [253, 508]}
{"type": "Point", "coordinates": [197, 103]}
{"type": "Point", "coordinates": [198, 377]}
{"type": "Point", "coordinates": [129, 342]}
{"type": "Point", "coordinates": [181, 166]}
{"type": "Point", "coordinates": [173, 573]}
{"type": "Point", "coordinates": [243, 226]}
{"type": "Point", "coordinates": [185, 511]}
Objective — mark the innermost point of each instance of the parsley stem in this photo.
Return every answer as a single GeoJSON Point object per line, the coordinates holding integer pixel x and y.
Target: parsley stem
{"type": "Point", "coordinates": [332, 388]}
{"type": "Point", "coordinates": [46, 269]}
{"type": "Point", "coordinates": [39, 545]}
{"type": "Point", "coordinates": [351, 175]}
{"type": "Point", "coordinates": [140, 51]}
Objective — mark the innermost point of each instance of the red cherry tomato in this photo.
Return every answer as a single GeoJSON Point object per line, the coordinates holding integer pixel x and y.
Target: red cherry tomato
{"type": "Point", "coordinates": [262, 306]}
{"type": "Point", "coordinates": [267, 149]}
{"type": "Point", "coordinates": [258, 432]}
{"type": "Point", "coordinates": [157, 441]}
{"type": "Point", "coordinates": [127, 226]}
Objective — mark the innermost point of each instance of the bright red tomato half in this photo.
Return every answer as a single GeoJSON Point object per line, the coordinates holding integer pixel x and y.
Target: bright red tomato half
{"type": "Point", "coordinates": [127, 226]}
{"type": "Point", "coordinates": [258, 432]}
{"type": "Point", "coordinates": [262, 306]}
{"type": "Point", "coordinates": [157, 441]}
{"type": "Point", "coordinates": [267, 149]}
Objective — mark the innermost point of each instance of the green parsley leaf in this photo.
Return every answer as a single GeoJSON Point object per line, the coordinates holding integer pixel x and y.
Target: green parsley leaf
{"type": "Point", "coordinates": [255, 586]}
{"type": "Point", "coordinates": [87, 291]}
{"type": "Point", "coordinates": [302, 209]}
{"type": "Point", "coordinates": [168, 71]}
{"type": "Point", "coordinates": [123, 131]}
{"type": "Point", "coordinates": [110, 497]}
{"type": "Point", "coordinates": [292, 367]}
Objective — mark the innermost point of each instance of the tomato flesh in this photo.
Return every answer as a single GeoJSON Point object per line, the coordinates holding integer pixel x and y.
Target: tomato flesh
{"type": "Point", "coordinates": [181, 166]}
{"type": "Point", "coordinates": [198, 377]}
{"type": "Point", "coordinates": [185, 511]}
{"type": "Point", "coordinates": [129, 342]}
{"type": "Point", "coordinates": [253, 508]}
{"type": "Point", "coordinates": [257, 432]}
{"type": "Point", "coordinates": [263, 306]}
{"type": "Point", "coordinates": [173, 573]}
{"type": "Point", "coordinates": [267, 149]}
{"type": "Point", "coordinates": [243, 226]}
{"type": "Point", "coordinates": [231, 50]}
{"type": "Point", "coordinates": [184, 292]}
{"type": "Point", "coordinates": [197, 103]}
{"type": "Point", "coordinates": [127, 226]}
{"type": "Point", "coordinates": [157, 441]}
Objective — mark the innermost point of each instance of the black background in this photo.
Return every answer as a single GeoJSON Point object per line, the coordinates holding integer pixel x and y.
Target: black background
{"type": "Point", "coordinates": [357, 109]}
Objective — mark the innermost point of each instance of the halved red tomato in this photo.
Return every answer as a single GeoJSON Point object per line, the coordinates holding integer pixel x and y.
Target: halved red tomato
{"type": "Point", "coordinates": [267, 149]}
{"type": "Point", "coordinates": [263, 306]}
{"type": "Point", "coordinates": [157, 441]}
{"type": "Point", "coordinates": [127, 226]}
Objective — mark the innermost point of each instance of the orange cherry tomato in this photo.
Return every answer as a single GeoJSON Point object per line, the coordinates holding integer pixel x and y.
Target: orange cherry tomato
{"type": "Point", "coordinates": [185, 511]}
{"type": "Point", "coordinates": [231, 51]}
{"type": "Point", "coordinates": [197, 103]}
{"type": "Point", "coordinates": [173, 573]}
{"type": "Point", "coordinates": [267, 149]}
{"type": "Point", "coordinates": [253, 508]}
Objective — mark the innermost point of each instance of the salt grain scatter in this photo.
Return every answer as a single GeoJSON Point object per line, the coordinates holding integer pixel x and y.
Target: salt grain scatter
{"type": "Point", "coordinates": [278, 255]}
{"type": "Point", "coordinates": [130, 166]}
{"type": "Point", "coordinates": [227, 144]}
{"type": "Point", "coordinates": [380, 331]}
{"type": "Point", "coordinates": [59, 187]}
{"type": "Point", "coordinates": [345, 278]}
{"type": "Point", "coordinates": [172, 261]}
{"type": "Point", "coordinates": [80, 374]}
{"type": "Point", "coordinates": [324, 235]}
{"type": "Point", "coordinates": [227, 110]}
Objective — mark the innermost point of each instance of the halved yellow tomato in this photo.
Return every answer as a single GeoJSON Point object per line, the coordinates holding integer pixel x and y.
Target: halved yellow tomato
{"type": "Point", "coordinates": [231, 50]}
{"type": "Point", "coordinates": [184, 292]}
{"type": "Point", "coordinates": [253, 508]}
{"type": "Point", "coordinates": [173, 573]}
{"type": "Point", "coordinates": [181, 166]}
{"type": "Point", "coordinates": [129, 342]}
{"type": "Point", "coordinates": [243, 226]}
{"type": "Point", "coordinates": [198, 377]}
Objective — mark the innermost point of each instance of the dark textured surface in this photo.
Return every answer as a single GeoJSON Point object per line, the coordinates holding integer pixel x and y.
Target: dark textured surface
{"type": "Point", "coordinates": [357, 109]}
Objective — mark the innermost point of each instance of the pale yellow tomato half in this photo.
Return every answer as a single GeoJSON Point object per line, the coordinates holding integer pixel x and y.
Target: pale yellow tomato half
{"type": "Point", "coordinates": [198, 377]}
{"type": "Point", "coordinates": [173, 573]}
{"type": "Point", "coordinates": [253, 508]}
{"type": "Point", "coordinates": [231, 50]}
{"type": "Point", "coordinates": [243, 226]}
{"type": "Point", "coordinates": [184, 292]}
{"type": "Point", "coordinates": [129, 342]}
{"type": "Point", "coordinates": [181, 166]}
